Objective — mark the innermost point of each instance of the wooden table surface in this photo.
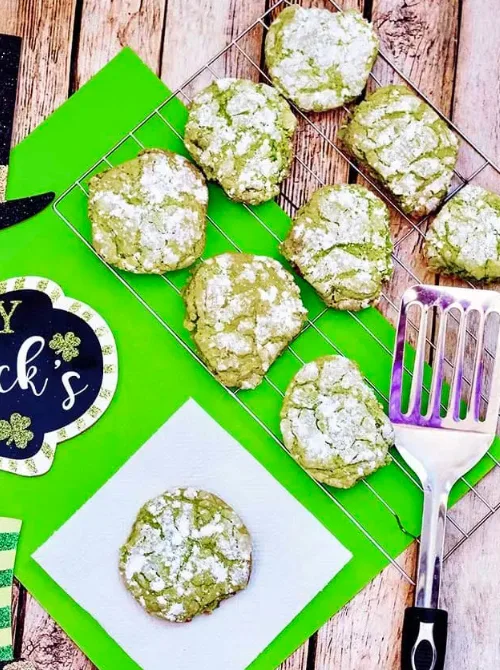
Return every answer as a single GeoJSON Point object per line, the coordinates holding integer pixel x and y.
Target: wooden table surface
{"type": "Point", "coordinates": [451, 50]}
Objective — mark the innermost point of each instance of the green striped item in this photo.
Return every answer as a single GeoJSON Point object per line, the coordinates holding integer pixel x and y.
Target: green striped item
{"type": "Point", "coordinates": [9, 537]}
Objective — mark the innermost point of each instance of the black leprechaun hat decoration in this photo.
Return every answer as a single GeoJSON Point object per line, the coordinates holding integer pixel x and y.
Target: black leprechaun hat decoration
{"type": "Point", "coordinates": [12, 211]}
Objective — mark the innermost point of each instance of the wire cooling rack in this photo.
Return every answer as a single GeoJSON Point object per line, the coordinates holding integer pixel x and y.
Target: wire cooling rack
{"type": "Point", "coordinates": [313, 168]}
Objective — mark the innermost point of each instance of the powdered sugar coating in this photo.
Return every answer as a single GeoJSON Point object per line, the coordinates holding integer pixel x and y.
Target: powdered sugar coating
{"type": "Point", "coordinates": [318, 58]}
{"type": "Point", "coordinates": [188, 551]}
{"type": "Point", "coordinates": [242, 310]}
{"type": "Point", "coordinates": [241, 135]}
{"type": "Point", "coordinates": [464, 238]}
{"type": "Point", "coordinates": [333, 424]}
{"type": "Point", "coordinates": [149, 214]}
{"type": "Point", "coordinates": [340, 243]}
{"type": "Point", "coordinates": [406, 145]}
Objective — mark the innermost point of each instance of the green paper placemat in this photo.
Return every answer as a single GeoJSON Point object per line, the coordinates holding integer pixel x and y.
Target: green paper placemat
{"type": "Point", "coordinates": [158, 371]}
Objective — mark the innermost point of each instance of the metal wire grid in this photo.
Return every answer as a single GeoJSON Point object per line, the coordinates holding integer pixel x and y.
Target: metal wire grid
{"type": "Point", "coordinates": [414, 228]}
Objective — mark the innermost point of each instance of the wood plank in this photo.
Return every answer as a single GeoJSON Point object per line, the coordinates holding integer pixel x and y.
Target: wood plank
{"type": "Point", "coordinates": [45, 63]}
{"type": "Point", "coordinates": [197, 31]}
{"type": "Point", "coordinates": [46, 645]}
{"type": "Point", "coordinates": [316, 161]}
{"type": "Point", "coordinates": [421, 38]}
{"type": "Point", "coordinates": [106, 27]}
{"type": "Point", "coordinates": [472, 573]}
{"type": "Point", "coordinates": [297, 661]}
{"type": "Point", "coordinates": [17, 613]}
{"type": "Point", "coordinates": [364, 635]}
{"type": "Point", "coordinates": [471, 578]}
{"type": "Point", "coordinates": [475, 108]}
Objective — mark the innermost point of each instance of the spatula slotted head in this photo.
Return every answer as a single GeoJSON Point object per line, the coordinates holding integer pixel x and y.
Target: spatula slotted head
{"type": "Point", "coordinates": [467, 315]}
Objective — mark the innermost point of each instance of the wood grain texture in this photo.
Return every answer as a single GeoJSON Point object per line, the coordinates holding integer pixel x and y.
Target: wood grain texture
{"type": "Point", "coordinates": [195, 32]}
{"type": "Point", "coordinates": [315, 156]}
{"type": "Point", "coordinates": [476, 110]}
{"type": "Point", "coordinates": [472, 573]}
{"type": "Point", "coordinates": [297, 661]}
{"type": "Point", "coordinates": [175, 39]}
{"type": "Point", "coordinates": [363, 635]}
{"type": "Point", "coordinates": [470, 586]}
{"type": "Point", "coordinates": [420, 37]}
{"type": "Point", "coordinates": [477, 74]}
{"type": "Point", "coordinates": [106, 27]}
{"type": "Point", "coordinates": [47, 28]}
{"type": "Point", "coordinates": [46, 645]}
{"type": "Point", "coordinates": [17, 614]}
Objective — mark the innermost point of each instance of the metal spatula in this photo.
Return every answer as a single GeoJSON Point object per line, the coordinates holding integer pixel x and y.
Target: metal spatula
{"type": "Point", "coordinates": [438, 444]}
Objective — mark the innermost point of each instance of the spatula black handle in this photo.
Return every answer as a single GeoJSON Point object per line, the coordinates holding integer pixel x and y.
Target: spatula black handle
{"type": "Point", "coordinates": [425, 632]}
{"type": "Point", "coordinates": [10, 54]}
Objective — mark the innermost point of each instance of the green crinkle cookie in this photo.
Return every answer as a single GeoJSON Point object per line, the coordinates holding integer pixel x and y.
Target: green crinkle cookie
{"type": "Point", "coordinates": [187, 552]}
{"type": "Point", "coordinates": [242, 311]}
{"type": "Point", "coordinates": [333, 424]}
{"type": "Point", "coordinates": [241, 135]}
{"type": "Point", "coordinates": [405, 145]}
{"type": "Point", "coordinates": [320, 59]}
{"type": "Point", "coordinates": [464, 238]}
{"type": "Point", "coordinates": [340, 244]}
{"type": "Point", "coordinates": [149, 214]}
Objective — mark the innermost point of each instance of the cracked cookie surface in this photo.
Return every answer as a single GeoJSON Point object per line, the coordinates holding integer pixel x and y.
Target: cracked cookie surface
{"type": "Point", "coordinates": [320, 59]}
{"type": "Point", "coordinates": [242, 311]}
{"type": "Point", "coordinates": [187, 552]}
{"type": "Point", "coordinates": [332, 423]}
{"type": "Point", "coordinates": [464, 238]}
{"type": "Point", "coordinates": [149, 214]}
{"type": "Point", "coordinates": [405, 145]}
{"type": "Point", "coordinates": [340, 243]}
{"type": "Point", "coordinates": [241, 134]}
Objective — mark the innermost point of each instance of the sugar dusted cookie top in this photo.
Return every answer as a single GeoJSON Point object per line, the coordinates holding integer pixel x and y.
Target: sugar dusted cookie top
{"type": "Point", "coordinates": [340, 243]}
{"type": "Point", "coordinates": [187, 552]}
{"type": "Point", "coordinates": [241, 135]}
{"type": "Point", "coordinates": [405, 145]}
{"type": "Point", "coordinates": [148, 214]}
{"type": "Point", "coordinates": [320, 59]}
{"type": "Point", "coordinates": [333, 424]}
{"type": "Point", "coordinates": [242, 311]}
{"type": "Point", "coordinates": [464, 238]}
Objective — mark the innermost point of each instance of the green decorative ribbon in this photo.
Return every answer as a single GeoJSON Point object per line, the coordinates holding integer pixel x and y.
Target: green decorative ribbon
{"type": "Point", "coordinates": [9, 538]}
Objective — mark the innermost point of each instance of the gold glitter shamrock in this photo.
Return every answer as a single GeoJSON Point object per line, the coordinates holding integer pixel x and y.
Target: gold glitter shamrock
{"type": "Point", "coordinates": [65, 345]}
{"type": "Point", "coordinates": [15, 430]}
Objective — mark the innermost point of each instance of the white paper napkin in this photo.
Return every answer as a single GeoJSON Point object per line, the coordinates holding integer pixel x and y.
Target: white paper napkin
{"type": "Point", "coordinates": [294, 555]}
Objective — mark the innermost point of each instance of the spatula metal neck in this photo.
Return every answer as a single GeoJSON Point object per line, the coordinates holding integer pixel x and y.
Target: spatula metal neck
{"type": "Point", "coordinates": [430, 561]}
